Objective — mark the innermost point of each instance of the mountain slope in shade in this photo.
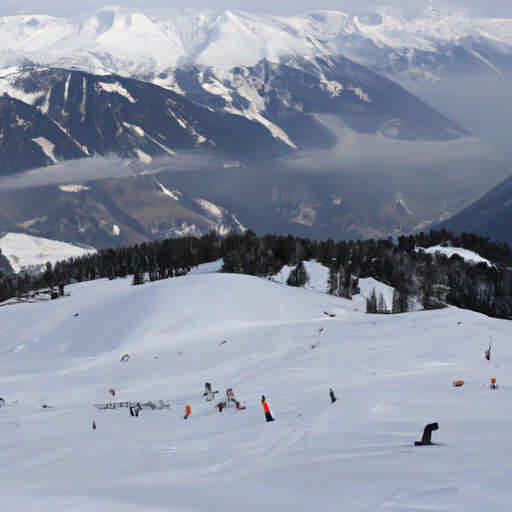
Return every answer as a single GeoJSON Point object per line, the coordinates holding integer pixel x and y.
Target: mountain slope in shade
{"type": "Point", "coordinates": [114, 212]}
{"type": "Point", "coordinates": [289, 94]}
{"type": "Point", "coordinates": [489, 216]}
{"type": "Point", "coordinates": [31, 253]}
{"type": "Point", "coordinates": [246, 112]}
{"type": "Point", "coordinates": [102, 115]}
{"type": "Point", "coordinates": [31, 139]}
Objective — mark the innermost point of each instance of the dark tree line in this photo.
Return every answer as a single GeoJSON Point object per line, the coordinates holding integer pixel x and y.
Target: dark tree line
{"type": "Point", "coordinates": [434, 279]}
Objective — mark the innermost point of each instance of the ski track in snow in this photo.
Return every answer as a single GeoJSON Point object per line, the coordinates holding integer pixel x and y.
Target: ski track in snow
{"type": "Point", "coordinates": [392, 374]}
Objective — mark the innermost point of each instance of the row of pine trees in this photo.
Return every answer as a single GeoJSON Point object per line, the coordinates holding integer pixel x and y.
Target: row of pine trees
{"type": "Point", "coordinates": [432, 279]}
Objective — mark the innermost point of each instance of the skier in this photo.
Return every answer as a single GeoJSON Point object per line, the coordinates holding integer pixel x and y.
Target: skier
{"type": "Point", "coordinates": [493, 383]}
{"type": "Point", "coordinates": [188, 410]}
{"type": "Point", "coordinates": [332, 395]}
{"type": "Point", "coordinates": [268, 415]}
{"type": "Point", "coordinates": [488, 353]}
{"type": "Point", "coordinates": [93, 425]}
{"type": "Point", "coordinates": [208, 393]}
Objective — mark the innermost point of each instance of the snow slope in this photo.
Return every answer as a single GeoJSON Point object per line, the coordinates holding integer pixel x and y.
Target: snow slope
{"type": "Point", "coordinates": [318, 281]}
{"type": "Point", "coordinates": [369, 284]}
{"type": "Point", "coordinates": [392, 374]}
{"type": "Point", "coordinates": [27, 252]}
{"type": "Point", "coordinates": [318, 276]}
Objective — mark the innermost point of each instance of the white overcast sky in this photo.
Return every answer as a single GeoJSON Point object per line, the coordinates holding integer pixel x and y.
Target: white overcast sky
{"type": "Point", "coordinates": [495, 8]}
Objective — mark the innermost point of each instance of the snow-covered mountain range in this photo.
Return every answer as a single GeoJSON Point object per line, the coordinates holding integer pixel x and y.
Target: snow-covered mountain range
{"type": "Point", "coordinates": [134, 42]}
{"type": "Point", "coordinates": [276, 72]}
{"type": "Point", "coordinates": [259, 111]}
{"type": "Point", "coordinates": [246, 86]}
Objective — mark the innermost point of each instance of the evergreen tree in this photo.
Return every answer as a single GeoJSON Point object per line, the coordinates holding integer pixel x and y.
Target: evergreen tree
{"type": "Point", "coordinates": [138, 278]}
{"type": "Point", "coordinates": [371, 302]}
{"type": "Point", "coordinates": [298, 276]}
{"type": "Point", "coordinates": [396, 302]}
{"type": "Point", "coordinates": [381, 305]}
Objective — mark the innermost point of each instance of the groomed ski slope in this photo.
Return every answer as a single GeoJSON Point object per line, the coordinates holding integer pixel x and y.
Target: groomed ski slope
{"type": "Point", "coordinates": [392, 374]}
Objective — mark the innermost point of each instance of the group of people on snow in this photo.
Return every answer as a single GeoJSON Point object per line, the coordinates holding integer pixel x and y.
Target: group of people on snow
{"type": "Point", "coordinates": [229, 401]}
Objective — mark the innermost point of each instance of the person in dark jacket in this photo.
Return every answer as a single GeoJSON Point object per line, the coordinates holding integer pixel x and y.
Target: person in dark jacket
{"type": "Point", "coordinates": [427, 434]}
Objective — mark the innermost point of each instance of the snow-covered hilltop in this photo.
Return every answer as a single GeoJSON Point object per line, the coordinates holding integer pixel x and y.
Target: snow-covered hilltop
{"type": "Point", "coordinates": [391, 374]}
{"type": "Point", "coordinates": [449, 251]}
{"type": "Point", "coordinates": [31, 253]}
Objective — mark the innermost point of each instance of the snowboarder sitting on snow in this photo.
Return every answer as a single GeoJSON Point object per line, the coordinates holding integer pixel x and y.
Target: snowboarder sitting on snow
{"type": "Point", "coordinates": [230, 398]}
{"type": "Point", "coordinates": [427, 434]}
{"type": "Point", "coordinates": [230, 401]}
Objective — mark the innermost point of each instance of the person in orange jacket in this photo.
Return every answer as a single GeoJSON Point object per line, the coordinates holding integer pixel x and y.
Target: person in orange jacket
{"type": "Point", "coordinates": [268, 415]}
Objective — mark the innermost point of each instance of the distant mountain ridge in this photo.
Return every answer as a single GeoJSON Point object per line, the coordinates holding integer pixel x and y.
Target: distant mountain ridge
{"type": "Point", "coordinates": [488, 216]}
{"type": "Point", "coordinates": [74, 114]}
{"type": "Point", "coordinates": [112, 213]}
